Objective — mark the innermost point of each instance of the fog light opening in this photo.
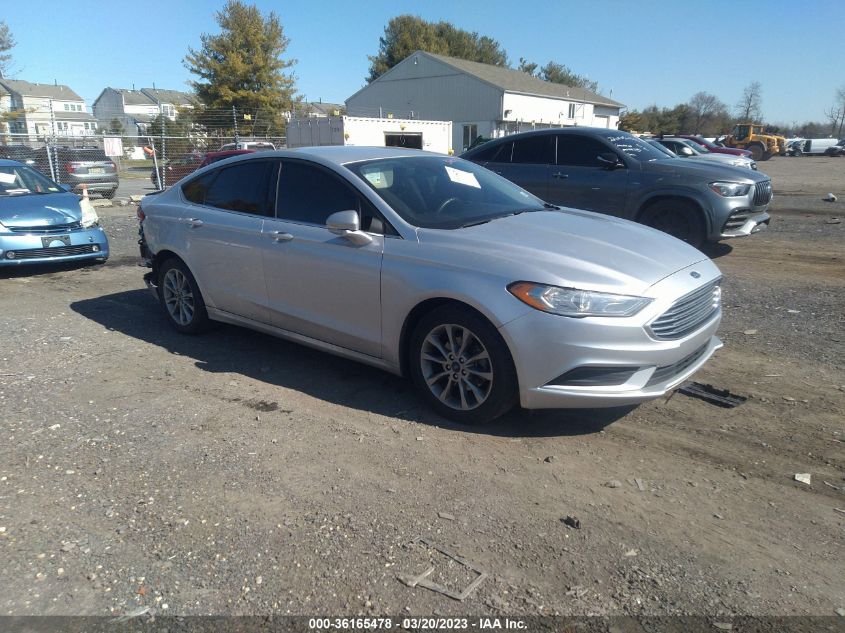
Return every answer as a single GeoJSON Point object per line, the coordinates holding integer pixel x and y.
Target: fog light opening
{"type": "Point", "coordinates": [95, 248]}
{"type": "Point", "coordinates": [10, 254]}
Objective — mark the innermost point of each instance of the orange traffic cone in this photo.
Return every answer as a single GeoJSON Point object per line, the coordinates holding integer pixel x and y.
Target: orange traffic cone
{"type": "Point", "coordinates": [89, 215]}
{"type": "Point", "coordinates": [84, 191]}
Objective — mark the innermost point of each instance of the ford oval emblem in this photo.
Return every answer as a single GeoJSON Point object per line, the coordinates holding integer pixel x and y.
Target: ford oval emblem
{"type": "Point", "coordinates": [695, 275]}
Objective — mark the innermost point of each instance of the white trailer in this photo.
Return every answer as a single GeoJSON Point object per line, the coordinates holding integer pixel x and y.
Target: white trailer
{"type": "Point", "coordinates": [432, 136]}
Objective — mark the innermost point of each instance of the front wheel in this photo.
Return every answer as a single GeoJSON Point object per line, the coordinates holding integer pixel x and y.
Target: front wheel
{"type": "Point", "coordinates": [461, 366]}
{"type": "Point", "coordinates": [678, 218]}
{"type": "Point", "coordinates": [181, 298]}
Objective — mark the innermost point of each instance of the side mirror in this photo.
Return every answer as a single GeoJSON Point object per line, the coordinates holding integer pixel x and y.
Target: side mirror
{"type": "Point", "coordinates": [610, 160]}
{"type": "Point", "coordinates": [686, 151]}
{"type": "Point", "coordinates": [348, 225]}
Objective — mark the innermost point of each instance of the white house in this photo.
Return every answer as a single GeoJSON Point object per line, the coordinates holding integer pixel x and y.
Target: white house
{"type": "Point", "coordinates": [46, 109]}
{"type": "Point", "coordinates": [135, 109]}
{"type": "Point", "coordinates": [479, 99]}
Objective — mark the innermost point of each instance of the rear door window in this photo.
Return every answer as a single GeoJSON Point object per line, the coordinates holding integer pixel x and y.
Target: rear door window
{"type": "Point", "coordinates": [242, 187]}
{"type": "Point", "coordinates": [536, 150]}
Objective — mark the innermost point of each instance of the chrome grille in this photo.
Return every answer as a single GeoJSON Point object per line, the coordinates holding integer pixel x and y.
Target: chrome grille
{"type": "Point", "coordinates": [46, 230]}
{"type": "Point", "coordinates": [55, 251]}
{"type": "Point", "coordinates": [688, 313]}
{"type": "Point", "coordinates": [762, 193]}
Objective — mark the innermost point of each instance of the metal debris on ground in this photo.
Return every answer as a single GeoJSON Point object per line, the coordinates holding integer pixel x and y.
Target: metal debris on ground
{"type": "Point", "coordinates": [422, 580]}
{"type": "Point", "coordinates": [839, 510]}
{"type": "Point", "coordinates": [827, 483]}
{"type": "Point", "coordinates": [446, 515]}
{"type": "Point", "coordinates": [640, 484]}
{"type": "Point", "coordinates": [572, 522]}
{"type": "Point", "coordinates": [135, 613]}
{"type": "Point", "coordinates": [804, 478]}
{"type": "Point", "coordinates": [720, 397]}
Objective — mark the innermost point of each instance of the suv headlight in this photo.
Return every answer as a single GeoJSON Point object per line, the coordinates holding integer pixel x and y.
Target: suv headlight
{"type": "Point", "coordinates": [730, 189]}
{"type": "Point", "coordinates": [572, 302]}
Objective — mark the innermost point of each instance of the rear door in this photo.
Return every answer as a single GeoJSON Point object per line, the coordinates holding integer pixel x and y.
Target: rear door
{"type": "Point", "coordinates": [319, 284]}
{"type": "Point", "coordinates": [223, 223]}
{"type": "Point", "coordinates": [582, 181]}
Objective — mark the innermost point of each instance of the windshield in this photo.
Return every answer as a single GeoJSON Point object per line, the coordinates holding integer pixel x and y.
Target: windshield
{"type": "Point", "coordinates": [443, 193]}
{"type": "Point", "coordinates": [636, 148]}
{"type": "Point", "coordinates": [19, 180]}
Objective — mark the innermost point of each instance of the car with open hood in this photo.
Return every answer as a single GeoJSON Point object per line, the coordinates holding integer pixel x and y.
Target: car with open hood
{"type": "Point", "coordinates": [435, 268]}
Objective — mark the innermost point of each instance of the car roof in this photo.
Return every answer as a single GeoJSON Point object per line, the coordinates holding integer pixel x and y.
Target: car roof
{"type": "Point", "coordinates": [6, 162]}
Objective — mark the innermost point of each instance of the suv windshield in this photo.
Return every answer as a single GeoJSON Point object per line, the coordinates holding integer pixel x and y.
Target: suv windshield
{"type": "Point", "coordinates": [443, 193]}
{"type": "Point", "coordinates": [21, 181]}
{"type": "Point", "coordinates": [636, 148]}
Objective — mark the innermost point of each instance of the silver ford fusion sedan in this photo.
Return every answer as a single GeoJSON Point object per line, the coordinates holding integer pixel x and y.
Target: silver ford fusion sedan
{"type": "Point", "coordinates": [435, 268]}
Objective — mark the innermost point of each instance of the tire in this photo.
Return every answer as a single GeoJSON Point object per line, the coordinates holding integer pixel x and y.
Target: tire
{"type": "Point", "coordinates": [108, 195]}
{"type": "Point", "coordinates": [767, 156]}
{"type": "Point", "coordinates": [757, 151]}
{"type": "Point", "coordinates": [486, 386]}
{"type": "Point", "coordinates": [678, 218]}
{"type": "Point", "coordinates": [180, 297]}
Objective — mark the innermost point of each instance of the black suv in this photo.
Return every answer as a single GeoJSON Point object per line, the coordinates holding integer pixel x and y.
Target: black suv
{"type": "Point", "coordinates": [619, 174]}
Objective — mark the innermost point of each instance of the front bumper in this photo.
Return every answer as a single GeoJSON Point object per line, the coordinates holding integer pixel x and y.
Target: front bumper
{"type": "Point", "coordinates": [27, 248]}
{"type": "Point", "coordinates": [546, 347]}
{"type": "Point", "coordinates": [744, 222]}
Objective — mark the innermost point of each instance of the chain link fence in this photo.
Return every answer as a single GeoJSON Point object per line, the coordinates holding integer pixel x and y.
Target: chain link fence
{"type": "Point", "coordinates": [161, 144]}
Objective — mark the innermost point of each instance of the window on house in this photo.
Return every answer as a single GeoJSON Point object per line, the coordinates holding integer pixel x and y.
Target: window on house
{"type": "Point", "coordinates": [571, 110]}
{"type": "Point", "coordinates": [470, 134]}
{"type": "Point", "coordinates": [67, 106]}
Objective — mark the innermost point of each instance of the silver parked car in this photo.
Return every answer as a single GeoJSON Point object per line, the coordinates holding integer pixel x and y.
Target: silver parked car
{"type": "Point", "coordinates": [433, 267]}
{"type": "Point", "coordinates": [685, 148]}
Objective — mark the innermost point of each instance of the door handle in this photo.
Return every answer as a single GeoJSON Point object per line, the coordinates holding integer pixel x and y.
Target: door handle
{"type": "Point", "coordinates": [194, 222]}
{"type": "Point", "coordinates": [281, 236]}
{"type": "Point", "coordinates": [560, 175]}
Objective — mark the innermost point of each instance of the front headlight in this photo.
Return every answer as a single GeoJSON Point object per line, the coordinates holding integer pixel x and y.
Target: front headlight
{"type": "Point", "coordinates": [89, 216]}
{"type": "Point", "coordinates": [730, 189]}
{"type": "Point", "coordinates": [572, 302]}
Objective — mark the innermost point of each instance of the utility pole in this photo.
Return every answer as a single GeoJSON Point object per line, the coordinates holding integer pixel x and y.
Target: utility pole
{"type": "Point", "coordinates": [54, 172]}
{"type": "Point", "coordinates": [235, 122]}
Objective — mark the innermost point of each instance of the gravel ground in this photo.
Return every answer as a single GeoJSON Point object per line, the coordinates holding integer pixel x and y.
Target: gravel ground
{"type": "Point", "coordinates": [234, 473]}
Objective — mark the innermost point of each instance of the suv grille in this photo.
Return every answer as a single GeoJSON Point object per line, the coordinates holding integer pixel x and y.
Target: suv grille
{"type": "Point", "coordinates": [762, 193]}
{"type": "Point", "coordinates": [688, 313]}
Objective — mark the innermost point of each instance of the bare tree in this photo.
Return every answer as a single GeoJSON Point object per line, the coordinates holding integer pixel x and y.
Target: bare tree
{"type": "Point", "coordinates": [750, 107]}
{"type": "Point", "coordinates": [703, 106]}
{"type": "Point", "coordinates": [836, 113]}
{"type": "Point", "coordinates": [7, 43]}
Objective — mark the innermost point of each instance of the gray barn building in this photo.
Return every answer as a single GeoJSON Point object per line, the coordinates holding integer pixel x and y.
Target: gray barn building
{"type": "Point", "coordinates": [479, 99]}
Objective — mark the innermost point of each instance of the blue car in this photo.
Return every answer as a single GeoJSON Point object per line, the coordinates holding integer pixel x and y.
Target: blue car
{"type": "Point", "coordinates": [42, 222]}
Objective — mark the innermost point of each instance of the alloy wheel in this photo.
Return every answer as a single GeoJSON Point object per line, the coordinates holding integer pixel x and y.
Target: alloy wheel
{"type": "Point", "coordinates": [178, 296]}
{"type": "Point", "coordinates": [456, 367]}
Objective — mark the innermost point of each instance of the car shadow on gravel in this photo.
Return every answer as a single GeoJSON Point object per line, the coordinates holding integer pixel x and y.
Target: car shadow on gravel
{"type": "Point", "coordinates": [274, 361]}
{"type": "Point", "coordinates": [714, 250]}
{"type": "Point", "coordinates": [40, 270]}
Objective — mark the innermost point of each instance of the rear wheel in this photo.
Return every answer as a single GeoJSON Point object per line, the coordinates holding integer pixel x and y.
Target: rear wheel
{"type": "Point", "coordinates": [678, 218]}
{"type": "Point", "coordinates": [108, 195]}
{"type": "Point", "coordinates": [461, 366]}
{"type": "Point", "coordinates": [181, 298]}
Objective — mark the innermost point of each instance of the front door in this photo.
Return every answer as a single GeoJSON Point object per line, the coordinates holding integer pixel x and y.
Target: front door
{"type": "Point", "coordinates": [582, 181]}
{"type": "Point", "coordinates": [320, 284]}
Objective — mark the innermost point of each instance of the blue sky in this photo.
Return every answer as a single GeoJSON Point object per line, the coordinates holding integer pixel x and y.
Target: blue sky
{"type": "Point", "coordinates": [645, 51]}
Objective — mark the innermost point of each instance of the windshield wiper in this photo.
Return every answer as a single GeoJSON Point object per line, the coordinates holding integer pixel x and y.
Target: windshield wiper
{"type": "Point", "coordinates": [549, 205]}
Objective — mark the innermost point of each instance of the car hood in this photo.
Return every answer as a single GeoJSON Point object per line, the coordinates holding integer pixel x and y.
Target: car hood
{"type": "Point", "coordinates": [686, 170]}
{"type": "Point", "coordinates": [47, 209]}
{"type": "Point", "coordinates": [571, 248]}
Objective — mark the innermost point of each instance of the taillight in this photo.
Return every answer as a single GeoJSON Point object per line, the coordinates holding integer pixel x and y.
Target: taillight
{"type": "Point", "coordinates": [113, 166]}
{"type": "Point", "coordinates": [140, 213]}
{"type": "Point", "coordinates": [70, 167]}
